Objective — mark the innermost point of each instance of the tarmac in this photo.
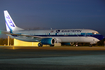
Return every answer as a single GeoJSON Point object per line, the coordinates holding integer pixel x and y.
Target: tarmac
{"type": "Point", "coordinates": [52, 58]}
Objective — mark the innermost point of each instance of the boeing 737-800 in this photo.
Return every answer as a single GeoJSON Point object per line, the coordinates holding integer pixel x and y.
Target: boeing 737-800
{"type": "Point", "coordinates": [50, 37]}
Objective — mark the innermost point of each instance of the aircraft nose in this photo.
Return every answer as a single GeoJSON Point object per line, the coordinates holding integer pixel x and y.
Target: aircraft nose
{"type": "Point", "coordinates": [100, 37]}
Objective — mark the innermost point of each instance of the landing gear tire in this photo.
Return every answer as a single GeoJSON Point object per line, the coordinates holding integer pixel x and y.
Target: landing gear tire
{"type": "Point", "coordinates": [51, 45]}
{"type": "Point", "coordinates": [40, 45]}
{"type": "Point", "coordinates": [90, 45]}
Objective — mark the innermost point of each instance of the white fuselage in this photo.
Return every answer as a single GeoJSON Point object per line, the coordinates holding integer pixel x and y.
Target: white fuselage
{"type": "Point", "coordinates": [50, 36]}
{"type": "Point", "coordinates": [61, 35]}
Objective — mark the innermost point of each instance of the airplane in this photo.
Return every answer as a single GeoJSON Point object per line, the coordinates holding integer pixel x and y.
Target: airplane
{"type": "Point", "coordinates": [50, 37]}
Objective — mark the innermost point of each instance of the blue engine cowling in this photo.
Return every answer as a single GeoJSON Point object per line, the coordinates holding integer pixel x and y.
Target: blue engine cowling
{"type": "Point", "coordinates": [48, 41]}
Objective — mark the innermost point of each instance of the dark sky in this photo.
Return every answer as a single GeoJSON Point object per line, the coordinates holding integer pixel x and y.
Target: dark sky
{"type": "Point", "coordinates": [56, 14]}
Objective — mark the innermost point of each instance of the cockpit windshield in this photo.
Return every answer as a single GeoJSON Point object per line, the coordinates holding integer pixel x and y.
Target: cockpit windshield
{"type": "Point", "coordinates": [95, 32]}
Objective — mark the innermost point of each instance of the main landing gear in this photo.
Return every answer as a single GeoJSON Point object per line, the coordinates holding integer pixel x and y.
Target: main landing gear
{"type": "Point", "coordinates": [40, 44]}
{"type": "Point", "coordinates": [51, 45]}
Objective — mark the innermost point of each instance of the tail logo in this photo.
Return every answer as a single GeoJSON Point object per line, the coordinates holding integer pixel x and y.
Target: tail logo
{"type": "Point", "coordinates": [10, 21]}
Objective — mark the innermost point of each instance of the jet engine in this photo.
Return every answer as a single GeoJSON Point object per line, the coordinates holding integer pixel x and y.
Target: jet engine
{"type": "Point", "coordinates": [48, 41]}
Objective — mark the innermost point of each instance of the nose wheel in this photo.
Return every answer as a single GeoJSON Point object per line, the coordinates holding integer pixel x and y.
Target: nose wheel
{"type": "Point", "coordinates": [90, 45]}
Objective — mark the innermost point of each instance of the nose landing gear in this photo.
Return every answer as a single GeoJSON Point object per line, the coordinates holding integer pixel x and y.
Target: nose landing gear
{"type": "Point", "coordinates": [90, 45]}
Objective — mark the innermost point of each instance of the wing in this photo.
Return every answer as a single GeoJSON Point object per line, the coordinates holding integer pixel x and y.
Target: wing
{"type": "Point", "coordinates": [22, 35]}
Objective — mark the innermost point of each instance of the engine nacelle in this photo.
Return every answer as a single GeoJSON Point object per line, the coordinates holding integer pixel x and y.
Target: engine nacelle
{"type": "Point", "coordinates": [48, 41]}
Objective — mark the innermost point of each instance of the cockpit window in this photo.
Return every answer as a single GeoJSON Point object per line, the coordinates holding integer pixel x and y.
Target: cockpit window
{"type": "Point", "coordinates": [95, 33]}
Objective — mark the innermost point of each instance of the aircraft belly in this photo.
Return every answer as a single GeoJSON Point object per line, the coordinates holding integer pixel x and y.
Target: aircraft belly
{"type": "Point", "coordinates": [78, 39]}
{"type": "Point", "coordinates": [69, 39]}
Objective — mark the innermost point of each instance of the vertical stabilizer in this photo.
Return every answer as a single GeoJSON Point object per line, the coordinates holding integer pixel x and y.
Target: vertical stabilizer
{"type": "Point", "coordinates": [10, 25]}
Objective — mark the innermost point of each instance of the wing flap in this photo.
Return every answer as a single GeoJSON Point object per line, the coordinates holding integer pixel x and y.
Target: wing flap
{"type": "Point", "coordinates": [21, 35]}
